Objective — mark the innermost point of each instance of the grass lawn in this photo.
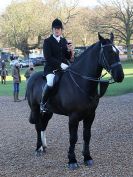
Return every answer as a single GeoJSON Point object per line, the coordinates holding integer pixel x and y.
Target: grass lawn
{"type": "Point", "coordinates": [126, 86]}
{"type": "Point", "coordinates": [114, 89]}
{"type": "Point", "coordinates": [7, 90]}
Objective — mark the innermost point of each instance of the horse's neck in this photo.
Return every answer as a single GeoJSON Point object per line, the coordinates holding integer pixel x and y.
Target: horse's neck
{"type": "Point", "coordinates": [87, 64]}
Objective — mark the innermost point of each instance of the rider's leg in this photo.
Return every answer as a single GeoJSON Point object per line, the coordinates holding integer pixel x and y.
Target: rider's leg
{"type": "Point", "coordinates": [46, 92]}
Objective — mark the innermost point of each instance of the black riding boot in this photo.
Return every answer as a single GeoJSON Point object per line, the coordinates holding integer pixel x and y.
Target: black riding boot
{"type": "Point", "coordinates": [45, 95]}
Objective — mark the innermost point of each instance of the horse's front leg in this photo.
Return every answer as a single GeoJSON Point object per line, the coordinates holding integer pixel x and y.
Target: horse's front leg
{"type": "Point", "coordinates": [87, 122]}
{"type": "Point", "coordinates": [39, 147]}
{"type": "Point", "coordinates": [73, 132]}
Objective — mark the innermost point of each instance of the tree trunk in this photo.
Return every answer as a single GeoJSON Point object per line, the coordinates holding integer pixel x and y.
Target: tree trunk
{"type": "Point", "coordinates": [26, 54]}
{"type": "Point", "coordinates": [129, 53]}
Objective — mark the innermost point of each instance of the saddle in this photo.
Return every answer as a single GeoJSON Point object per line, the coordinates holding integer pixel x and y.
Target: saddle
{"type": "Point", "coordinates": [58, 75]}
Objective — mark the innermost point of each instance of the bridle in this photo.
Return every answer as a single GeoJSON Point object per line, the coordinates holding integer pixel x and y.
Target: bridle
{"type": "Point", "coordinates": [108, 68]}
{"type": "Point", "coordinates": [104, 60]}
{"type": "Point", "coordinates": [106, 65]}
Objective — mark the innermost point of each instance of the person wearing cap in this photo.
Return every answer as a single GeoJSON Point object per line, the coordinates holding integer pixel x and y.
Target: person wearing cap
{"type": "Point", "coordinates": [57, 52]}
{"type": "Point", "coordinates": [16, 80]}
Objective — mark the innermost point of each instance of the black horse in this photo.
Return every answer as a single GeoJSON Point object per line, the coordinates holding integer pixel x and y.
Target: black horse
{"type": "Point", "coordinates": [77, 95]}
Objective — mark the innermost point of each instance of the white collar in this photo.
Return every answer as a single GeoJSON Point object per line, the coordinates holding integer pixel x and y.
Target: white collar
{"type": "Point", "coordinates": [57, 38]}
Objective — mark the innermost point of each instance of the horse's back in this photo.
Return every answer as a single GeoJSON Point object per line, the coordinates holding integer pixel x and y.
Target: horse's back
{"type": "Point", "coordinates": [34, 88]}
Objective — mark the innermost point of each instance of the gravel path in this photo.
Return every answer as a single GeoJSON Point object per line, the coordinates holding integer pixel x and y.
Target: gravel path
{"type": "Point", "coordinates": [111, 144]}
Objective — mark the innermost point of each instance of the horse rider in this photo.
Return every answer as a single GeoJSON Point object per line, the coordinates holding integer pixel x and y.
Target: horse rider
{"type": "Point", "coordinates": [57, 52]}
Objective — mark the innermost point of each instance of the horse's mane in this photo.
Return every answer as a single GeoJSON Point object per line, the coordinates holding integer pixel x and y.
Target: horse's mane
{"type": "Point", "coordinates": [82, 55]}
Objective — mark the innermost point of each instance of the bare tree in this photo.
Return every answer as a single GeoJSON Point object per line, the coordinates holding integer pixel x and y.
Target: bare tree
{"type": "Point", "coordinates": [116, 16]}
{"type": "Point", "coordinates": [22, 27]}
{"type": "Point", "coordinates": [24, 24]}
{"type": "Point", "coordinates": [77, 30]}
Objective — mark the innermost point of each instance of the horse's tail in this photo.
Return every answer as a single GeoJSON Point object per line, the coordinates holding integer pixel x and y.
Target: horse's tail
{"type": "Point", "coordinates": [34, 90]}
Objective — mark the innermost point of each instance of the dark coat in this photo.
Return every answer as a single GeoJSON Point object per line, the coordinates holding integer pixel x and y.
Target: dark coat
{"type": "Point", "coordinates": [55, 53]}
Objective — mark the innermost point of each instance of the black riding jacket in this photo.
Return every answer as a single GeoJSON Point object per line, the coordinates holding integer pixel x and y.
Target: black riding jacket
{"type": "Point", "coordinates": [55, 53]}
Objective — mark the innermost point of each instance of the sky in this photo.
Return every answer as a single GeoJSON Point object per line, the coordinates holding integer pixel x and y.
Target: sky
{"type": "Point", "coordinates": [91, 3]}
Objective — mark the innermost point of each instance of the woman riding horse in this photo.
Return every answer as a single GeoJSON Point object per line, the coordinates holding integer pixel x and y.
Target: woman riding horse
{"type": "Point", "coordinates": [77, 95]}
{"type": "Point", "coordinates": [56, 52]}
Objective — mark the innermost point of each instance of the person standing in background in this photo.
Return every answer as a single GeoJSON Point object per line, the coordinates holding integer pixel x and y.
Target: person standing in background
{"type": "Point", "coordinates": [28, 74]}
{"type": "Point", "coordinates": [16, 81]}
{"type": "Point", "coordinates": [3, 72]}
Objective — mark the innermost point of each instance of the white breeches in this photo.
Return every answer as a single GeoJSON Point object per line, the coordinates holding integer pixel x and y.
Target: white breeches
{"type": "Point", "coordinates": [50, 80]}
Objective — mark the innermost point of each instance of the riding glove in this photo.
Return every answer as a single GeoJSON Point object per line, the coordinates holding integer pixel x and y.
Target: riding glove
{"type": "Point", "coordinates": [64, 66]}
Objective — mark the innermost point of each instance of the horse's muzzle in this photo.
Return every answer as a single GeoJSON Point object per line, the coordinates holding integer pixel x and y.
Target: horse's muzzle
{"type": "Point", "coordinates": [118, 74]}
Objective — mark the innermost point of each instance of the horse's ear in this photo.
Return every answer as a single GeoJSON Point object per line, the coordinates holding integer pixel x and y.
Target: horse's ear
{"type": "Point", "coordinates": [100, 37]}
{"type": "Point", "coordinates": [112, 37]}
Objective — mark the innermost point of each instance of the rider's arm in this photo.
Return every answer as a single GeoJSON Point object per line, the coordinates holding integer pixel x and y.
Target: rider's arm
{"type": "Point", "coordinates": [48, 55]}
{"type": "Point", "coordinates": [69, 53]}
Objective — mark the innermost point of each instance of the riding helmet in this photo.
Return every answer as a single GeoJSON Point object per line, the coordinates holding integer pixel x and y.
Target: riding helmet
{"type": "Point", "coordinates": [57, 24]}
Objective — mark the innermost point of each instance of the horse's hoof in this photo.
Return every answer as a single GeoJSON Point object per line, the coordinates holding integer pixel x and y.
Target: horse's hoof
{"type": "Point", "coordinates": [89, 163]}
{"type": "Point", "coordinates": [73, 166]}
{"type": "Point", "coordinates": [40, 151]}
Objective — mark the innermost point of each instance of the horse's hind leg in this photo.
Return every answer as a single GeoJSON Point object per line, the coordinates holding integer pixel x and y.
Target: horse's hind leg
{"type": "Point", "coordinates": [87, 122]}
{"type": "Point", "coordinates": [41, 132]}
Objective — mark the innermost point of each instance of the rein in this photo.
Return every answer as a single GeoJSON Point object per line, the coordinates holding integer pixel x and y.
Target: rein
{"type": "Point", "coordinates": [106, 82]}
{"type": "Point", "coordinates": [86, 77]}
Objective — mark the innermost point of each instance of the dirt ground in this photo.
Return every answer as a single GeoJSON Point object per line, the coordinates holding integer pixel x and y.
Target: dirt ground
{"type": "Point", "coordinates": [111, 144]}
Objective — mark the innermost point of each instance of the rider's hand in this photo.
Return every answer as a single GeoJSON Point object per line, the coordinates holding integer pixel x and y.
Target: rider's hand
{"type": "Point", "coordinates": [69, 45]}
{"type": "Point", "coordinates": [64, 66]}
